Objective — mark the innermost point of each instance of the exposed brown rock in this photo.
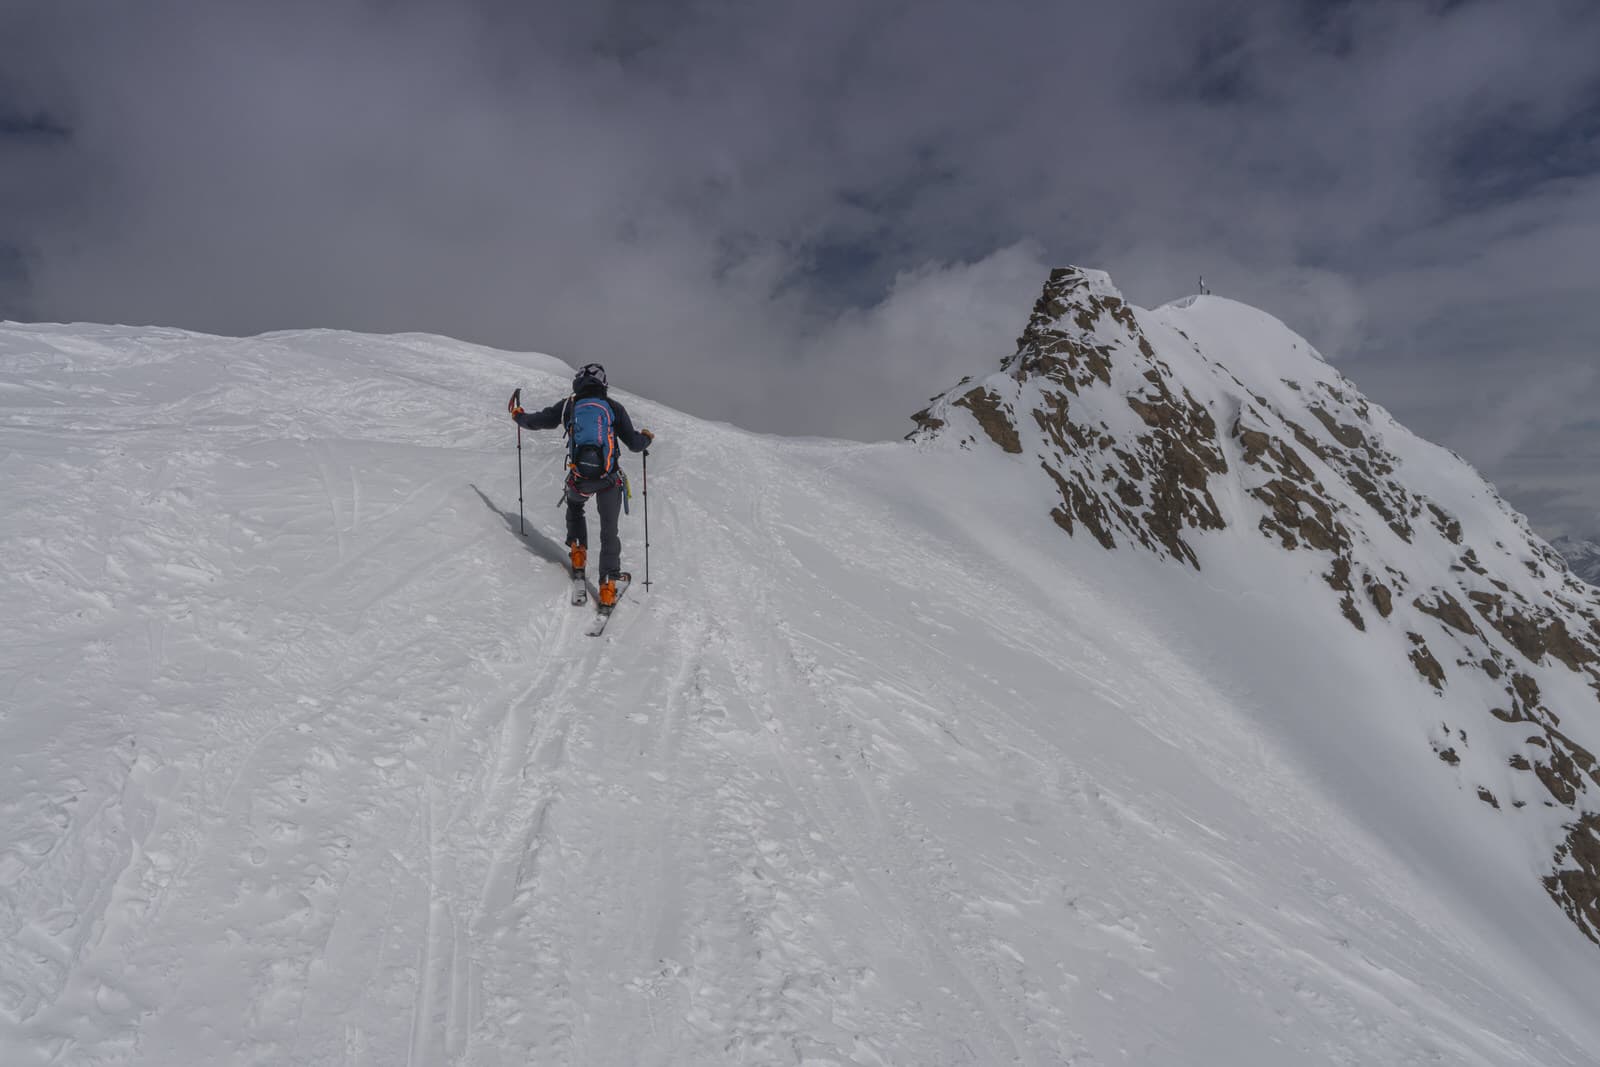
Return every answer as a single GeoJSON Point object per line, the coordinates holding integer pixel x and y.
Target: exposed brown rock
{"type": "Point", "coordinates": [1338, 578]}
{"type": "Point", "coordinates": [1254, 442]}
{"type": "Point", "coordinates": [1447, 524]}
{"type": "Point", "coordinates": [1175, 461]}
{"type": "Point", "coordinates": [1348, 436]}
{"type": "Point", "coordinates": [1082, 504]}
{"type": "Point", "coordinates": [1448, 610]}
{"type": "Point", "coordinates": [1047, 351]}
{"type": "Point", "coordinates": [1533, 634]}
{"type": "Point", "coordinates": [1580, 756]}
{"type": "Point", "coordinates": [1488, 798]}
{"type": "Point", "coordinates": [1153, 488]}
{"type": "Point", "coordinates": [1558, 777]}
{"type": "Point", "coordinates": [1152, 415]}
{"type": "Point", "coordinates": [1300, 517]}
{"type": "Point", "coordinates": [1179, 497]}
{"type": "Point", "coordinates": [1380, 596]}
{"type": "Point", "coordinates": [926, 423]}
{"type": "Point", "coordinates": [987, 409]}
{"type": "Point", "coordinates": [1569, 767]}
{"type": "Point", "coordinates": [1362, 464]}
{"type": "Point", "coordinates": [1369, 492]}
{"type": "Point", "coordinates": [1522, 632]}
{"type": "Point", "coordinates": [1309, 443]}
{"type": "Point", "coordinates": [1575, 882]}
{"type": "Point", "coordinates": [1272, 454]}
{"type": "Point", "coordinates": [1560, 643]}
{"type": "Point", "coordinates": [1061, 431]}
{"type": "Point", "coordinates": [1422, 659]}
{"type": "Point", "coordinates": [1525, 688]}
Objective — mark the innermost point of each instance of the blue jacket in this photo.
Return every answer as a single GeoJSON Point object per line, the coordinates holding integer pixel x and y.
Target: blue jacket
{"type": "Point", "coordinates": [560, 414]}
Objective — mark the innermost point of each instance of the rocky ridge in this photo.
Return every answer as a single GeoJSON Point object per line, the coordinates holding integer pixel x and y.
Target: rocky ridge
{"type": "Point", "coordinates": [1164, 430]}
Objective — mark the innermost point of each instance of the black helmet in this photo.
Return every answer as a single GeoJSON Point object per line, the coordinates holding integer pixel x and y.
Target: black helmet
{"type": "Point", "coordinates": [590, 376]}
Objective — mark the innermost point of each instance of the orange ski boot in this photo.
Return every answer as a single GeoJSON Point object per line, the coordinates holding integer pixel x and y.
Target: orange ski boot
{"type": "Point", "coordinates": [580, 557]}
{"type": "Point", "coordinates": [608, 592]}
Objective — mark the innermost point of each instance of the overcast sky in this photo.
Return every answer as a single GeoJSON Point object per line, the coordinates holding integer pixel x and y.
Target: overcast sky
{"type": "Point", "coordinates": [808, 217]}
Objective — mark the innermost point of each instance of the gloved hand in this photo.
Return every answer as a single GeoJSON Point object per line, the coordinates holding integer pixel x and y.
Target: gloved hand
{"type": "Point", "coordinates": [648, 434]}
{"type": "Point", "coordinates": [514, 405]}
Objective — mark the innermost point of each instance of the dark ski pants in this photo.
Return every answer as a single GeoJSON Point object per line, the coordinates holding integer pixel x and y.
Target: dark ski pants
{"type": "Point", "coordinates": [608, 502]}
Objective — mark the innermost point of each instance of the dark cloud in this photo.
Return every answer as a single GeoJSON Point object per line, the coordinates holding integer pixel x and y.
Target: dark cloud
{"type": "Point", "coordinates": [808, 216]}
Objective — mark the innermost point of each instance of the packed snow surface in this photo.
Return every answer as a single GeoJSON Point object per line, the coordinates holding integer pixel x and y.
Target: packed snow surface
{"type": "Point", "coordinates": [305, 758]}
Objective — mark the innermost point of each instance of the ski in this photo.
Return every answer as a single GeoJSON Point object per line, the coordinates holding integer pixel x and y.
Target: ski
{"type": "Point", "coordinates": [580, 591]}
{"type": "Point", "coordinates": [603, 615]}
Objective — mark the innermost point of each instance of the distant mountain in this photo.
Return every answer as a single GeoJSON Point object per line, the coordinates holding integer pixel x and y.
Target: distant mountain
{"type": "Point", "coordinates": [1583, 556]}
{"type": "Point", "coordinates": [1208, 433]}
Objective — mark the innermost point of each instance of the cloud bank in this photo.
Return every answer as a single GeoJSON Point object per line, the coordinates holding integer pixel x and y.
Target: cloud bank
{"type": "Point", "coordinates": [807, 217]}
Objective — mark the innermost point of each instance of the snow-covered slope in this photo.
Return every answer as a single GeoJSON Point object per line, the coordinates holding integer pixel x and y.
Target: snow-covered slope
{"type": "Point", "coordinates": [304, 758]}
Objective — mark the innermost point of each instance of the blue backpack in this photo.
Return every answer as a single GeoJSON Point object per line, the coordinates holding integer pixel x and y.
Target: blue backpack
{"type": "Point", "coordinates": [592, 442]}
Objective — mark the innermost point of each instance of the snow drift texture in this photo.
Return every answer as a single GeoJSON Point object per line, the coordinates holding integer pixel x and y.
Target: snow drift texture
{"type": "Point", "coordinates": [305, 759]}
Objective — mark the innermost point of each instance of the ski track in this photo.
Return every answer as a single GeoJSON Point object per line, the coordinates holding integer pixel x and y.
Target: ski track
{"type": "Point", "coordinates": [370, 795]}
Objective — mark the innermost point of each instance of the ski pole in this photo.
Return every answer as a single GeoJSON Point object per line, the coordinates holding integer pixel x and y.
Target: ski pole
{"type": "Point", "coordinates": [514, 406]}
{"type": "Point", "coordinates": [645, 460]}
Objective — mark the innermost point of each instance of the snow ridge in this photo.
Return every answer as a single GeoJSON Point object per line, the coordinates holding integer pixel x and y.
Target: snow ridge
{"type": "Point", "coordinates": [305, 759]}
